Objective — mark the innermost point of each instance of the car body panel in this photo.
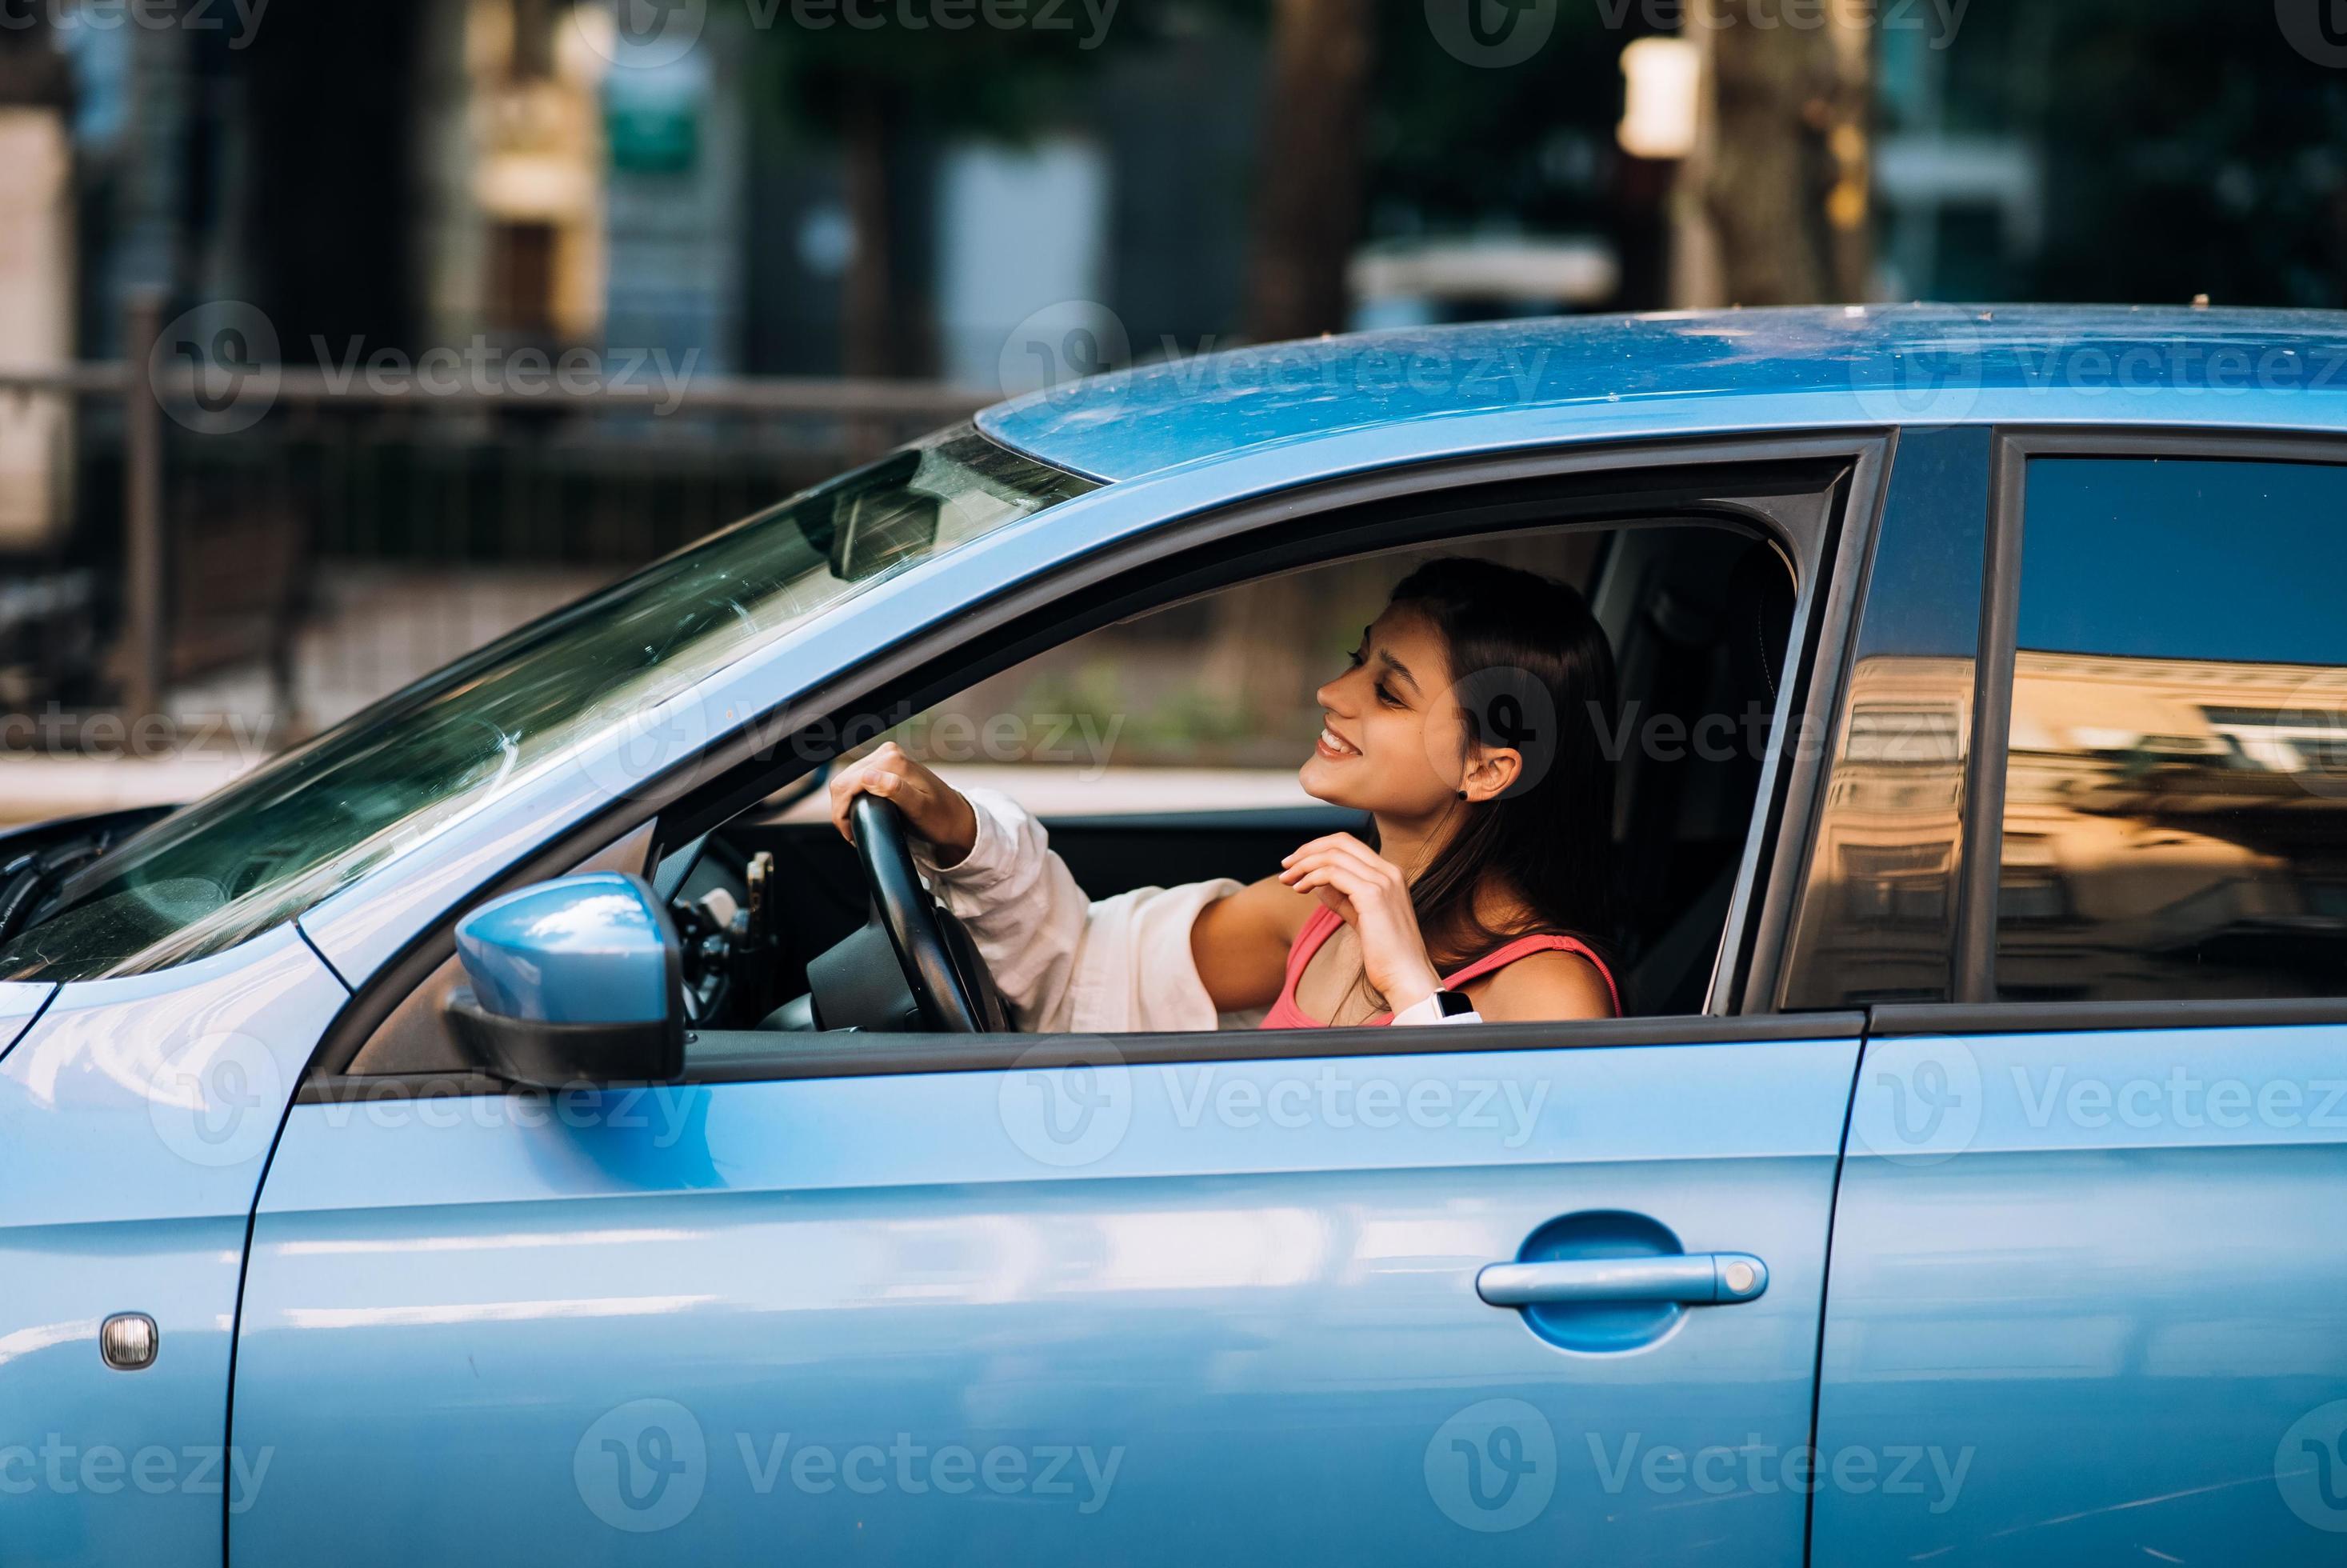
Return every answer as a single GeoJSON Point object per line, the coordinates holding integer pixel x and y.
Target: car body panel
{"type": "Point", "coordinates": [1588, 376]}
{"type": "Point", "coordinates": [2102, 1285]}
{"type": "Point", "coordinates": [1265, 1317]}
{"type": "Point", "coordinates": [21, 1002]}
{"type": "Point", "coordinates": [135, 1117]}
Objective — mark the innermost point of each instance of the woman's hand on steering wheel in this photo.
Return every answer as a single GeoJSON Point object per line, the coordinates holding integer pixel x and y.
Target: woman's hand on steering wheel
{"type": "Point", "coordinates": [937, 812]}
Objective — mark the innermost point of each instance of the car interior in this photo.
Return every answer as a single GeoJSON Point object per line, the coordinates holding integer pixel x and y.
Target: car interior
{"type": "Point", "coordinates": [1698, 614]}
{"type": "Point", "coordinates": [788, 930]}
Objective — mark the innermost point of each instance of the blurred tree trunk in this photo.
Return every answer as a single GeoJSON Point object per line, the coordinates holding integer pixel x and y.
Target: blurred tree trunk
{"type": "Point", "coordinates": [1775, 202]}
{"type": "Point", "coordinates": [1308, 175]}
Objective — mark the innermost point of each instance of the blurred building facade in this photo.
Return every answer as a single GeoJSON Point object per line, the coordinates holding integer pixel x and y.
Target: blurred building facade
{"type": "Point", "coordinates": [531, 170]}
{"type": "Point", "coordinates": [776, 193]}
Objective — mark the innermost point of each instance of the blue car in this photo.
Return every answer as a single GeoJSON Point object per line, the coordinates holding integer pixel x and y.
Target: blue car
{"type": "Point", "coordinates": [514, 1126]}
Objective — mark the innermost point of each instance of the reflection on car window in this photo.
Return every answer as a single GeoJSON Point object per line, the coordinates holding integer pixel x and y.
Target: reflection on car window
{"type": "Point", "coordinates": [2176, 791]}
{"type": "Point", "coordinates": [1877, 920]}
{"type": "Point", "coordinates": [285, 836]}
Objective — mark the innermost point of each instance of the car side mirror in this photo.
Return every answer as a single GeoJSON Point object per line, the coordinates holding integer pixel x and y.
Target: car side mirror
{"type": "Point", "coordinates": [579, 980]}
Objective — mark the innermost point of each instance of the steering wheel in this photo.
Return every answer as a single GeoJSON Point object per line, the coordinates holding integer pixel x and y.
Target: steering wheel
{"type": "Point", "coordinates": [951, 988]}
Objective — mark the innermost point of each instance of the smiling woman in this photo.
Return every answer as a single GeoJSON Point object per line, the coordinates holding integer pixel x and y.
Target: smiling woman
{"type": "Point", "coordinates": [283, 837]}
{"type": "Point", "coordinates": [1467, 725]}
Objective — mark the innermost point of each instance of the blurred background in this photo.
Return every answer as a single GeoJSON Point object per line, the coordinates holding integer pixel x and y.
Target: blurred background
{"type": "Point", "coordinates": [336, 338]}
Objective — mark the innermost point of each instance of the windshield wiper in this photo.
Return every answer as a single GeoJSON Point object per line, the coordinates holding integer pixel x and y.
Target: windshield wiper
{"type": "Point", "coordinates": [25, 878]}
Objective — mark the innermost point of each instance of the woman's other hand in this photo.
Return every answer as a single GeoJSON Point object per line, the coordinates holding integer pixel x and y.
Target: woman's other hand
{"type": "Point", "coordinates": [1369, 894]}
{"type": "Point", "coordinates": [935, 811]}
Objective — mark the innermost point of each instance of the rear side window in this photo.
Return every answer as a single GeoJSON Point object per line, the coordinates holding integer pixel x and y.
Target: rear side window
{"type": "Point", "coordinates": [2175, 820]}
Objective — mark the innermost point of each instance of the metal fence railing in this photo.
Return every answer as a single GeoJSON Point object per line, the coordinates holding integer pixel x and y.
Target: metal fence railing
{"type": "Point", "coordinates": [195, 533]}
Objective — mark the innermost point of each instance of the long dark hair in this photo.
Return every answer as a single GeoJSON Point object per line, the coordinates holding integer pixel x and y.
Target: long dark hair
{"type": "Point", "coordinates": [1532, 668]}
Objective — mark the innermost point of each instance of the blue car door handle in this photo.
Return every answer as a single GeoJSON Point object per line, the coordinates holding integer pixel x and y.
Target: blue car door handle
{"type": "Point", "coordinates": [1710, 1279]}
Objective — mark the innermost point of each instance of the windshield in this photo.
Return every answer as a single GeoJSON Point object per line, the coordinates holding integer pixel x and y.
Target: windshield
{"type": "Point", "coordinates": [286, 836]}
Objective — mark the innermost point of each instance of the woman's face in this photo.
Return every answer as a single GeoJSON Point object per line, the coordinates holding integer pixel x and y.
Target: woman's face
{"type": "Point", "coordinates": [1393, 740]}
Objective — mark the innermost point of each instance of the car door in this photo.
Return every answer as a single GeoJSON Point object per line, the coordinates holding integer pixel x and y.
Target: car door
{"type": "Point", "coordinates": [1528, 1291]}
{"type": "Point", "coordinates": [2086, 1265]}
{"type": "Point", "coordinates": [1140, 1306]}
{"type": "Point", "coordinates": [136, 1116]}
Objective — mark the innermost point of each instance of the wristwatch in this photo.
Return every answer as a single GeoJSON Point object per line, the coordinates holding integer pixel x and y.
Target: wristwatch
{"type": "Point", "coordinates": [1451, 1004]}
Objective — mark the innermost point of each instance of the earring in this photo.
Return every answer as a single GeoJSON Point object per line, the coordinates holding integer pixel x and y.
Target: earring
{"type": "Point", "coordinates": [1463, 794]}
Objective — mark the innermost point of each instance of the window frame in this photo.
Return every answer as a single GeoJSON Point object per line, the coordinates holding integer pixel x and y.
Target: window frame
{"type": "Point", "coordinates": [1900, 521]}
{"type": "Point", "coordinates": [1726, 478]}
{"type": "Point", "coordinates": [1976, 1006]}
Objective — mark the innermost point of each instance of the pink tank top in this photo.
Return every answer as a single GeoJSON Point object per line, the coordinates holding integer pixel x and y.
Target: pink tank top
{"type": "Point", "coordinates": [1286, 1014]}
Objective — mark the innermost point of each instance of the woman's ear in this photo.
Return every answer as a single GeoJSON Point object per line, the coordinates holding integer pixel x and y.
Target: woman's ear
{"type": "Point", "coordinates": [1489, 771]}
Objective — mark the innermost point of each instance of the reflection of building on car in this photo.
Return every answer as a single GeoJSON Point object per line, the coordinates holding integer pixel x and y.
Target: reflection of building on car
{"type": "Point", "coordinates": [1885, 889]}
{"type": "Point", "coordinates": [2168, 822]}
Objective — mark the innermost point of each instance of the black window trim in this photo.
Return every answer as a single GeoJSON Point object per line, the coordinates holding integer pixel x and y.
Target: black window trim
{"type": "Point", "coordinates": [772, 1058]}
{"type": "Point", "coordinates": [1976, 1008]}
{"type": "Point", "coordinates": [1117, 580]}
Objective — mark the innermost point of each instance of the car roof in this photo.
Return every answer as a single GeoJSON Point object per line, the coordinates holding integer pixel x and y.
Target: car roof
{"type": "Point", "coordinates": [1903, 364]}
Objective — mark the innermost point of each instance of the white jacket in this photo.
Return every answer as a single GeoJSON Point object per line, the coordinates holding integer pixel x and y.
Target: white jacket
{"type": "Point", "coordinates": [1067, 964]}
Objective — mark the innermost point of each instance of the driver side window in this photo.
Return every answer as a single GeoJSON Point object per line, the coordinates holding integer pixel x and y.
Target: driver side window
{"type": "Point", "coordinates": [1164, 750]}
